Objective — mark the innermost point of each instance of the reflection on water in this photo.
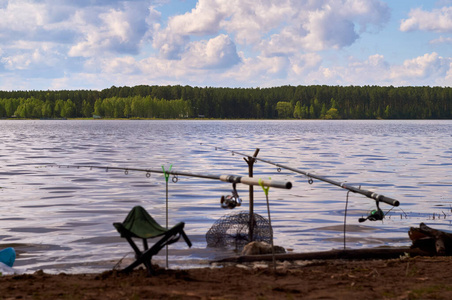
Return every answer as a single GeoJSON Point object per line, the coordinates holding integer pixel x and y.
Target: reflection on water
{"type": "Point", "coordinates": [60, 219]}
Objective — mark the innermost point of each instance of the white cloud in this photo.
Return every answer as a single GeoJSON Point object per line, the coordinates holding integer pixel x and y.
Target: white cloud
{"type": "Point", "coordinates": [438, 20]}
{"type": "Point", "coordinates": [441, 40]}
{"type": "Point", "coordinates": [291, 24]}
{"type": "Point", "coordinates": [316, 26]}
{"type": "Point", "coordinates": [249, 72]}
{"type": "Point", "coordinates": [49, 39]}
{"type": "Point", "coordinates": [219, 52]}
{"type": "Point", "coordinates": [170, 45]}
{"type": "Point", "coordinates": [87, 30]}
{"type": "Point", "coordinates": [115, 30]}
{"type": "Point", "coordinates": [250, 21]}
{"type": "Point", "coordinates": [325, 25]}
{"type": "Point", "coordinates": [373, 70]}
{"type": "Point", "coordinates": [427, 66]}
{"type": "Point", "coordinates": [120, 65]}
{"type": "Point", "coordinates": [202, 20]}
{"type": "Point", "coordinates": [18, 62]}
{"type": "Point", "coordinates": [41, 57]}
{"type": "Point", "coordinates": [376, 70]}
{"type": "Point", "coordinates": [22, 16]}
{"type": "Point", "coordinates": [81, 81]}
{"type": "Point", "coordinates": [303, 64]}
{"type": "Point", "coordinates": [218, 42]}
{"type": "Point", "coordinates": [326, 29]}
{"type": "Point", "coordinates": [247, 19]}
{"type": "Point", "coordinates": [258, 71]}
{"type": "Point", "coordinates": [35, 21]}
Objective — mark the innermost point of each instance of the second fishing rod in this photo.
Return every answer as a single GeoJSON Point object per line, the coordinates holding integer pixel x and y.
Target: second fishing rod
{"type": "Point", "coordinates": [225, 178]}
{"type": "Point", "coordinates": [367, 193]}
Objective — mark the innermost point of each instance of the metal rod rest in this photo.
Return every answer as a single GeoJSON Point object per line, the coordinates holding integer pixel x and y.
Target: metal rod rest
{"type": "Point", "coordinates": [366, 193]}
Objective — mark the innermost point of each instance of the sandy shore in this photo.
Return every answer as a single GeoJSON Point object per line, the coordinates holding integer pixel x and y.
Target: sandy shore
{"type": "Point", "coordinates": [403, 278]}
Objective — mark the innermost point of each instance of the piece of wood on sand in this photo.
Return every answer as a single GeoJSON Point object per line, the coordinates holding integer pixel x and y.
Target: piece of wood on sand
{"type": "Point", "coordinates": [374, 253]}
{"type": "Point", "coordinates": [426, 241]}
{"type": "Point", "coordinates": [433, 241]}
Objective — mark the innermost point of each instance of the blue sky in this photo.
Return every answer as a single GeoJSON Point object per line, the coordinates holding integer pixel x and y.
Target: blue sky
{"type": "Point", "coordinates": [94, 44]}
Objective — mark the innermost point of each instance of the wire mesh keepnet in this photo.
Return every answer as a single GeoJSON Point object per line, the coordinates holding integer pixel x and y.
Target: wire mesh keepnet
{"type": "Point", "coordinates": [234, 230]}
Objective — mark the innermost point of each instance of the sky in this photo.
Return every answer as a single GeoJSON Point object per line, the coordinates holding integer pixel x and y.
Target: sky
{"type": "Point", "coordinates": [95, 44]}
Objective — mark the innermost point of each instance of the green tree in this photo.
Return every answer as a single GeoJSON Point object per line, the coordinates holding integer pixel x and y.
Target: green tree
{"type": "Point", "coordinates": [387, 113]}
{"type": "Point", "coordinates": [298, 111]}
{"type": "Point", "coordinates": [127, 107]}
{"type": "Point", "coordinates": [312, 112]}
{"type": "Point", "coordinates": [69, 109]}
{"type": "Point", "coordinates": [36, 108]}
{"type": "Point", "coordinates": [332, 113]}
{"type": "Point", "coordinates": [58, 108]}
{"type": "Point", "coordinates": [353, 102]}
{"type": "Point", "coordinates": [2, 108]}
{"type": "Point", "coordinates": [285, 110]}
{"type": "Point", "coordinates": [29, 108]}
{"type": "Point", "coordinates": [11, 106]}
{"type": "Point", "coordinates": [47, 109]}
{"type": "Point", "coordinates": [108, 107]}
{"type": "Point", "coordinates": [98, 110]}
{"type": "Point", "coordinates": [87, 109]}
{"type": "Point", "coordinates": [118, 108]}
{"type": "Point", "coordinates": [323, 111]}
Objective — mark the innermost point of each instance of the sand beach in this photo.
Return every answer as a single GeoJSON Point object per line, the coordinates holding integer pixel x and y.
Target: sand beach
{"type": "Point", "coordinates": [401, 278]}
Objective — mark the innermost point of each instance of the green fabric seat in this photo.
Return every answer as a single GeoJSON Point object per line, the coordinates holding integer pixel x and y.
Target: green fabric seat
{"type": "Point", "coordinates": [139, 224]}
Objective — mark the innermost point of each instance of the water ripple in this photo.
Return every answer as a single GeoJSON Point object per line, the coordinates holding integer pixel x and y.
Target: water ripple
{"type": "Point", "coordinates": [72, 210]}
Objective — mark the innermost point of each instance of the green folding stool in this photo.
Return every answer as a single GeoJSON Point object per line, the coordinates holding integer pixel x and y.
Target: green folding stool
{"type": "Point", "coordinates": [139, 224]}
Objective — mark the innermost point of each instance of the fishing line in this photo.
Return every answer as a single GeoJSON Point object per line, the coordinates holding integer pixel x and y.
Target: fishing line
{"type": "Point", "coordinates": [374, 215]}
{"type": "Point", "coordinates": [166, 179]}
{"type": "Point", "coordinates": [118, 264]}
{"type": "Point", "coordinates": [404, 213]}
{"type": "Point", "coordinates": [345, 217]}
{"type": "Point", "coordinates": [270, 224]}
{"type": "Point", "coordinates": [369, 194]}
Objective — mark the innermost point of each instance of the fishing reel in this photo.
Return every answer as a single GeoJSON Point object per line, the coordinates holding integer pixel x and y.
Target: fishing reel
{"type": "Point", "coordinates": [231, 201]}
{"type": "Point", "coordinates": [374, 215]}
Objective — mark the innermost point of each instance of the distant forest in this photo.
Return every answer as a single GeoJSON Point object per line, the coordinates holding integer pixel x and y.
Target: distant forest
{"type": "Point", "coordinates": [285, 102]}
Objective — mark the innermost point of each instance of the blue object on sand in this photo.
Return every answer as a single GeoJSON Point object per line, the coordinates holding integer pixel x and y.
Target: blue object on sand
{"type": "Point", "coordinates": [8, 256]}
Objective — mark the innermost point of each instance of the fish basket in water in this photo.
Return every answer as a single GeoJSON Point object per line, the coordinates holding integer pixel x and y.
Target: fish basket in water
{"type": "Point", "coordinates": [234, 230]}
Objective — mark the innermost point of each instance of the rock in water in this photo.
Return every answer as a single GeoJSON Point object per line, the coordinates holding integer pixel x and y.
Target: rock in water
{"type": "Point", "coordinates": [256, 248]}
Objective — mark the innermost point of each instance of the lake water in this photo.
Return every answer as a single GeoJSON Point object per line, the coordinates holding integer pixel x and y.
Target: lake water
{"type": "Point", "coordinates": [60, 219]}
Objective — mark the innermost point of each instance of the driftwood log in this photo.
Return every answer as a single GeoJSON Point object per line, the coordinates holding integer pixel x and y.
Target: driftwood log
{"type": "Point", "coordinates": [433, 241]}
{"type": "Point", "coordinates": [426, 241]}
{"type": "Point", "coordinates": [373, 253]}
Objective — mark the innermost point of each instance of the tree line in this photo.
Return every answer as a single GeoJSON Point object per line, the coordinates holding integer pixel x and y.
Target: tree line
{"type": "Point", "coordinates": [285, 102]}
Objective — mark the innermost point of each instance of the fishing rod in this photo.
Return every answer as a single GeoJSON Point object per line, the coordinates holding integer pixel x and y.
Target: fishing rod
{"type": "Point", "coordinates": [226, 178]}
{"type": "Point", "coordinates": [369, 194]}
